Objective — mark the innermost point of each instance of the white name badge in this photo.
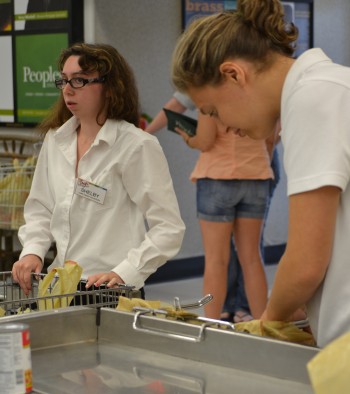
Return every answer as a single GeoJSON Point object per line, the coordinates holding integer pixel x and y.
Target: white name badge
{"type": "Point", "coordinates": [88, 190]}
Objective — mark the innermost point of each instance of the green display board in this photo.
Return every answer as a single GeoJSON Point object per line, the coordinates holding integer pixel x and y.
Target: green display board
{"type": "Point", "coordinates": [32, 35]}
{"type": "Point", "coordinates": [35, 75]}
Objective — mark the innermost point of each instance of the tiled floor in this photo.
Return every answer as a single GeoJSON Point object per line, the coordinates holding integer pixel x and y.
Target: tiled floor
{"type": "Point", "coordinates": [189, 290]}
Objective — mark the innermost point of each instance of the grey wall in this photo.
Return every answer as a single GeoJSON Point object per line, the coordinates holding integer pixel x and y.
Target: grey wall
{"type": "Point", "coordinates": [332, 29]}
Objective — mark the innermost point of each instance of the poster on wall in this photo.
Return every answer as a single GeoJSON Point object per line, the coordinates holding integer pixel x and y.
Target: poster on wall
{"type": "Point", "coordinates": [193, 9]}
{"type": "Point", "coordinates": [41, 15]}
{"type": "Point", "coordinates": [32, 35]}
{"type": "Point", "coordinates": [5, 15]}
{"type": "Point", "coordinates": [299, 12]}
{"type": "Point", "coordinates": [35, 75]}
{"type": "Point", "coordinates": [304, 21]}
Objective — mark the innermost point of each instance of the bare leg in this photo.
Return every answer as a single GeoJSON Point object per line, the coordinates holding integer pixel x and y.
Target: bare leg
{"type": "Point", "coordinates": [247, 232]}
{"type": "Point", "coordinates": [216, 241]}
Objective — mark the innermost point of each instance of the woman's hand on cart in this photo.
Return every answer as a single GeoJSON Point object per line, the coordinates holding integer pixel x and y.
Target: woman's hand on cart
{"type": "Point", "coordinates": [111, 279]}
{"type": "Point", "coordinates": [299, 318]}
{"type": "Point", "coordinates": [299, 314]}
{"type": "Point", "coordinates": [22, 270]}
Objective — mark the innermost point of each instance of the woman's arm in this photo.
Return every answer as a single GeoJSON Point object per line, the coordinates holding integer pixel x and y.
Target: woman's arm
{"type": "Point", "coordinates": [206, 133]}
{"type": "Point", "coordinates": [147, 180]}
{"type": "Point", "coordinates": [160, 120]}
{"type": "Point", "coordinates": [312, 218]}
{"type": "Point", "coordinates": [273, 140]}
{"type": "Point", "coordinates": [35, 235]}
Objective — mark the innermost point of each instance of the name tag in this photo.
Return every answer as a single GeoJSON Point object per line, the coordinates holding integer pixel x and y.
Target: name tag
{"type": "Point", "coordinates": [88, 190]}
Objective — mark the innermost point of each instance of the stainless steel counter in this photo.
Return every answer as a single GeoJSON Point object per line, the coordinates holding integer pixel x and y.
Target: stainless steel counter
{"type": "Point", "coordinates": [73, 351]}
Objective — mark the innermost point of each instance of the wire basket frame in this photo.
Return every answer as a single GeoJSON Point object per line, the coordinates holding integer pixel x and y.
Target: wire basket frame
{"type": "Point", "coordinates": [13, 301]}
{"type": "Point", "coordinates": [15, 183]}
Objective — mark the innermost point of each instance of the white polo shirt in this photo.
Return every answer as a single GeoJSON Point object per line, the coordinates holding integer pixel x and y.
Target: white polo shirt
{"type": "Point", "coordinates": [315, 119]}
{"type": "Point", "coordinates": [130, 165]}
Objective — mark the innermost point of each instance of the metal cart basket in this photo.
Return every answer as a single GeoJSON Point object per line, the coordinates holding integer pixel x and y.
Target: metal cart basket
{"type": "Point", "coordinates": [13, 301]}
{"type": "Point", "coordinates": [15, 182]}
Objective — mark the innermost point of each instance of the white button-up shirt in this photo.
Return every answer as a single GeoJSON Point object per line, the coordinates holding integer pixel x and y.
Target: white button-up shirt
{"type": "Point", "coordinates": [137, 228]}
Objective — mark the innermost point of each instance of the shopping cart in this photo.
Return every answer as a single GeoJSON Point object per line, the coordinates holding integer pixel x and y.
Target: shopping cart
{"type": "Point", "coordinates": [13, 301]}
{"type": "Point", "coordinates": [15, 182]}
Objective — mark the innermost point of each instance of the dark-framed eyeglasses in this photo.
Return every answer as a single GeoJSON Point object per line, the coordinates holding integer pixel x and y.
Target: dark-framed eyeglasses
{"type": "Point", "coordinates": [77, 82]}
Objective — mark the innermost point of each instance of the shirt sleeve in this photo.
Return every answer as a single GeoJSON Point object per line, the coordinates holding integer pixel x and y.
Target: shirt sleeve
{"type": "Point", "coordinates": [315, 136]}
{"type": "Point", "coordinates": [35, 235]}
{"type": "Point", "coordinates": [147, 180]}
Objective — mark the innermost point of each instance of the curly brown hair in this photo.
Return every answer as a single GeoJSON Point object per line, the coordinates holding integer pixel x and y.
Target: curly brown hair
{"type": "Point", "coordinates": [120, 85]}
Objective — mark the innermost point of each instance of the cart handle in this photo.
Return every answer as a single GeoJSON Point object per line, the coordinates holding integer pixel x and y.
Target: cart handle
{"type": "Point", "coordinates": [199, 338]}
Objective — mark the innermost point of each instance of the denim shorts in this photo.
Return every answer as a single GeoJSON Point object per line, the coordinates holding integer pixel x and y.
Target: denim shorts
{"type": "Point", "coordinates": [220, 200]}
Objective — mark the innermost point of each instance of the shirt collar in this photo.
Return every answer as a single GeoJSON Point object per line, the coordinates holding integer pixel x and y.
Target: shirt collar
{"type": "Point", "coordinates": [66, 133]}
{"type": "Point", "coordinates": [108, 133]}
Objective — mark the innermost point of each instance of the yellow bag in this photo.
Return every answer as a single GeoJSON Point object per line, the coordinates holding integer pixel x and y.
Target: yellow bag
{"type": "Point", "coordinates": [285, 331]}
{"type": "Point", "coordinates": [68, 278]}
{"type": "Point", "coordinates": [329, 369]}
{"type": "Point", "coordinates": [14, 190]}
{"type": "Point", "coordinates": [125, 304]}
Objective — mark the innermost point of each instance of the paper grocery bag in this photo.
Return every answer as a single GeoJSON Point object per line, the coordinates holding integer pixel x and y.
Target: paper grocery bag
{"type": "Point", "coordinates": [284, 331]}
{"type": "Point", "coordinates": [329, 370]}
{"type": "Point", "coordinates": [127, 305]}
{"type": "Point", "coordinates": [68, 278]}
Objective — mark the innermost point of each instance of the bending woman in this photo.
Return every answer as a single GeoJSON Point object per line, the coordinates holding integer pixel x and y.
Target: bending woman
{"type": "Point", "coordinates": [239, 67]}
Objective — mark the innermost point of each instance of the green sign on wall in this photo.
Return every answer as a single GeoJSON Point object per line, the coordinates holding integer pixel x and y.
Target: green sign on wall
{"type": "Point", "coordinates": [36, 91]}
{"type": "Point", "coordinates": [32, 35]}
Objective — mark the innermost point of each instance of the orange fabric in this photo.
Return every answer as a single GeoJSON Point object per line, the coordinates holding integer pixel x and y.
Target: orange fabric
{"type": "Point", "coordinates": [234, 157]}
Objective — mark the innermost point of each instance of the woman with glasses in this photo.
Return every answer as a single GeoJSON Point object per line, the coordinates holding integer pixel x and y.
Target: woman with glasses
{"type": "Point", "coordinates": [239, 67]}
{"type": "Point", "coordinates": [102, 190]}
